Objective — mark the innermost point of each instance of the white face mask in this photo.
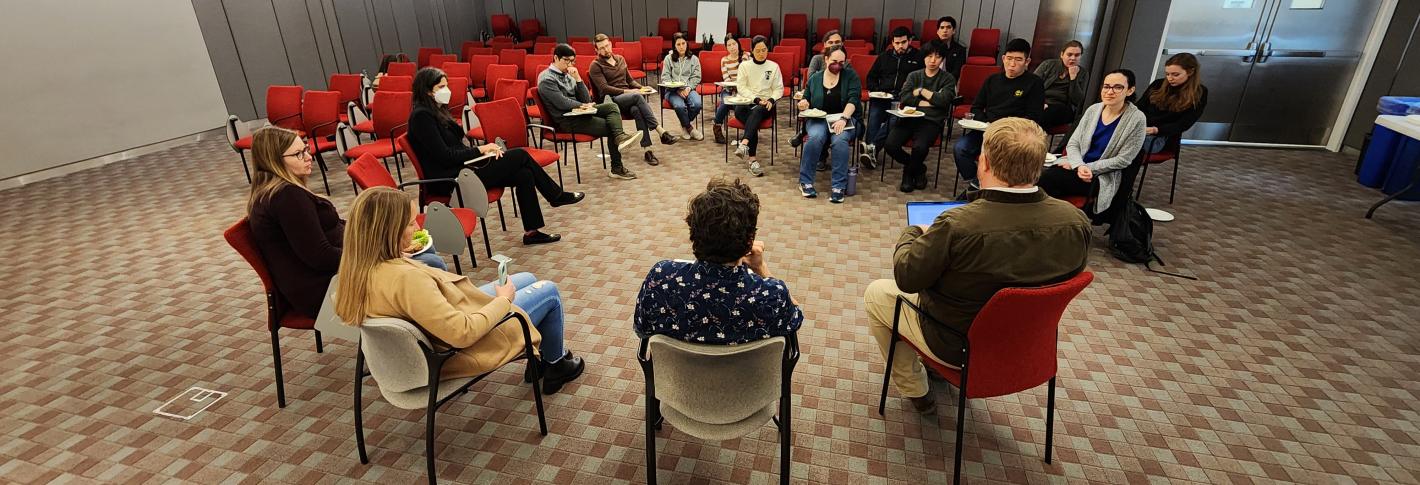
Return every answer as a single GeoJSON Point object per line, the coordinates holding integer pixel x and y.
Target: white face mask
{"type": "Point", "coordinates": [442, 95]}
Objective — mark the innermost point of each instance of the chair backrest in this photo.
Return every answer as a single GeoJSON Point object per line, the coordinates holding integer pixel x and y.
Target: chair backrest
{"type": "Point", "coordinates": [367, 171]}
{"type": "Point", "coordinates": [544, 48]}
{"type": "Point", "coordinates": [320, 111]}
{"type": "Point", "coordinates": [972, 77]}
{"type": "Point", "coordinates": [790, 49]}
{"type": "Point", "coordinates": [785, 60]}
{"type": "Point", "coordinates": [666, 27]}
{"type": "Point", "coordinates": [537, 101]}
{"type": "Point", "coordinates": [732, 26]}
{"type": "Point", "coordinates": [513, 57]}
{"type": "Point", "coordinates": [500, 71]}
{"type": "Point", "coordinates": [584, 69]}
{"type": "Point", "coordinates": [529, 29]}
{"type": "Point", "coordinates": [478, 69]}
{"type": "Point", "coordinates": [438, 60]}
{"type": "Point", "coordinates": [1013, 338]}
{"type": "Point", "coordinates": [480, 51]}
{"type": "Point", "coordinates": [391, 348]}
{"type": "Point", "coordinates": [633, 55]}
{"type": "Point", "coordinates": [240, 238]}
{"type": "Point", "coordinates": [619, 51]}
{"type": "Point", "coordinates": [546, 39]}
{"type": "Point", "coordinates": [578, 38]}
{"type": "Point", "coordinates": [530, 63]}
{"type": "Point", "coordinates": [509, 124]}
{"type": "Point", "coordinates": [392, 110]}
{"type": "Point", "coordinates": [857, 51]}
{"type": "Point", "coordinates": [908, 24]}
{"type": "Point", "coordinates": [459, 87]}
{"type": "Point", "coordinates": [584, 48]}
{"type": "Point", "coordinates": [457, 69]}
{"type": "Point", "coordinates": [984, 42]}
{"type": "Point", "coordinates": [710, 66]}
{"type": "Point", "coordinates": [396, 83]}
{"type": "Point", "coordinates": [327, 322]}
{"type": "Point", "coordinates": [514, 89]}
{"type": "Point", "coordinates": [283, 106]}
{"type": "Point", "coordinates": [502, 24]}
{"type": "Point", "coordinates": [651, 48]}
{"type": "Point", "coordinates": [796, 25]}
{"type": "Point", "coordinates": [349, 86]}
{"type": "Point", "coordinates": [236, 130]}
{"type": "Point", "coordinates": [863, 28]}
{"type": "Point", "coordinates": [929, 30]}
{"type": "Point", "coordinates": [745, 43]}
{"type": "Point", "coordinates": [422, 58]}
{"type": "Point", "coordinates": [861, 63]}
{"type": "Point", "coordinates": [402, 141]}
{"type": "Point", "coordinates": [761, 26]}
{"type": "Point", "coordinates": [823, 25]}
{"type": "Point", "coordinates": [717, 384]}
{"type": "Point", "coordinates": [465, 49]}
{"type": "Point", "coordinates": [690, 29]}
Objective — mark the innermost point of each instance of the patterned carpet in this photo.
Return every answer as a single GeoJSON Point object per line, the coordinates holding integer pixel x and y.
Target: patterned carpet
{"type": "Point", "coordinates": [1294, 358]}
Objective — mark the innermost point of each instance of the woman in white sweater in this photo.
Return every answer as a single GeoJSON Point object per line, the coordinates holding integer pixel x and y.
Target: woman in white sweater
{"type": "Point", "coordinates": [1107, 139]}
{"type": "Point", "coordinates": [761, 81]}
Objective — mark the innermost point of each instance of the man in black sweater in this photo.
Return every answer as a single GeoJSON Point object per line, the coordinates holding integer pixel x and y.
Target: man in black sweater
{"type": "Point", "coordinates": [888, 73]}
{"type": "Point", "coordinates": [953, 53]}
{"type": "Point", "coordinates": [1010, 93]}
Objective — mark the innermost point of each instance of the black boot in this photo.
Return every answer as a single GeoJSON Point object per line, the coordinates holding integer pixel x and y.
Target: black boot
{"type": "Point", "coordinates": [554, 376]}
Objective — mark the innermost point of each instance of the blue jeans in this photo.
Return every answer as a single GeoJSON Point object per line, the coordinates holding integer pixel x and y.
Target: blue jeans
{"type": "Point", "coordinates": [431, 259]}
{"type": "Point", "coordinates": [722, 112]}
{"type": "Point", "coordinates": [543, 304]}
{"type": "Point", "coordinates": [964, 154]}
{"type": "Point", "coordinates": [879, 121]}
{"type": "Point", "coordinates": [686, 108]}
{"type": "Point", "coordinates": [839, 147]}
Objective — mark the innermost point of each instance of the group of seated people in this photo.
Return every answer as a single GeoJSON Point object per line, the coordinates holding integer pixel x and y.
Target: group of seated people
{"type": "Point", "coordinates": [1011, 234]}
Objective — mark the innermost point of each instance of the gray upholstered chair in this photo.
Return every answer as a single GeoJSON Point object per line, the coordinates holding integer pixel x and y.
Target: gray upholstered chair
{"type": "Point", "coordinates": [718, 392]}
{"type": "Point", "coordinates": [406, 365]}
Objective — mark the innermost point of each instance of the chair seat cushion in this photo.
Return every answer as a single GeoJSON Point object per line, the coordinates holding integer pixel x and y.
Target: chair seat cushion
{"type": "Point", "coordinates": [574, 137]}
{"type": "Point", "coordinates": [243, 143]}
{"type": "Point", "coordinates": [713, 432]}
{"type": "Point", "coordinates": [543, 157]}
{"type": "Point", "coordinates": [1160, 157]}
{"type": "Point", "coordinates": [367, 126]}
{"type": "Point", "coordinates": [479, 93]}
{"type": "Point", "coordinates": [534, 112]}
{"type": "Point", "coordinates": [637, 73]}
{"type": "Point", "coordinates": [323, 145]}
{"type": "Point", "coordinates": [294, 319]}
{"type": "Point", "coordinates": [960, 112]}
{"type": "Point", "coordinates": [734, 122]}
{"type": "Point", "coordinates": [495, 193]}
{"type": "Point", "coordinates": [377, 149]}
{"type": "Point", "coordinates": [475, 133]}
{"type": "Point", "coordinates": [981, 61]}
{"type": "Point", "coordinates": [706, 89]}
{"type": "Point", "coordinates": [418, 398]}
{"type": "Point", "coordinates": [344, 118]}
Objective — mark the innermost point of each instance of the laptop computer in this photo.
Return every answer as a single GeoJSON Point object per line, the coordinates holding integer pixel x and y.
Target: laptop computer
{"type": "Point", "coordinates": [924, 213]}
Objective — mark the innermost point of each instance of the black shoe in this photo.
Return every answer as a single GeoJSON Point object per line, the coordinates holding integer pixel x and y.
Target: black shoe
{"type": "Point", "coordinates": [822, 166]}
{"type": "Point", "coordinates": [797, 140]}
{"type": "Point", "coordinates": [568, 198]}
{"type": "Point", "coordinates": [907, 185]}
{"type": "Point", "coordinates": [528, 371]}
{"type": "Point", "coordinates": [920, 181]}
{"type": "Point", "coordinates": [667, 139]}
{"type": "Point", "coordinates": [539, 237]}
{"type": "Point", "coordinates": [651, 159]}
{"type": "Point", "coordinates": [554, 376]}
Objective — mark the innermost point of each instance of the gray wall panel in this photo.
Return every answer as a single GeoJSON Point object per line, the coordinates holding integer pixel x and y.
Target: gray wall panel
{"type": "Point", "coordinates": [579, 9]}
{"type": "Point", "coordinates": [222, 49]}
{"type": "Point", "coordinates": [406, 25]}
{"type": "Point", "coordinates": [602, 17]}
{"type": "Point", "coordinates": [357, 35]}
{"type": "Point", "coordinates": [298, 37]}
{"type": "Point", "coordinates": [263, 56]}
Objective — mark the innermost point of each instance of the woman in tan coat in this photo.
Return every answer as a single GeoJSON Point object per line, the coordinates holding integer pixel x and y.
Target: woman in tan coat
{"type": "Point", "coordinates": [376, 281]}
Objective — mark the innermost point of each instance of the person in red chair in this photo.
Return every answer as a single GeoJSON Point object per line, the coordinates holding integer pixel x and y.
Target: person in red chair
{"type": "Point", "coordinates": [375, 282]}
{"type": "Point", "coordinates": [729, 71]}
{"type": "Point", "coordinates": [562, 91]}
{"type": "Point", "coordinates": [1013, 92]}
{"type": "Point", "coordinates": [299, 233]}
{"type": "Point", "coordinates": [953, 53]}
{"type": "Point", "coordinates": [888, 73]}
{"type": "Point", "coordinates": [1173, 104]}
{"type": "Point", "coordinates": [437, 141]}
{"type": "Point", "coordinates": [1012, 235]}
{"type": "Point", "coordinates": [1064, 86]}
{"type": "Point", "coordinates": [611, 77]}
{"type": "Point", "coordinates": [681, 66]}
{"type": "Point", "coordinates": [930, 90]}
{"type": "Point", "coordinates": [1106, 141]}
{"type": "Point", "coordinates": [762, 81]}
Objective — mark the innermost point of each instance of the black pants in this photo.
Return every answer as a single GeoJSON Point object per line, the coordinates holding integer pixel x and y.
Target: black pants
{"type": "Point", "coordinates": [923, 132]}
{"type": "Point", "coordinates": [518, 170]}
{"type": "Point", "coordinates": [1060, 183]}
{"type": "Point", "coordinates": [606, 123]}
{"type": "Point", "coordinates": [752, 116]}
{"type": "Point", "coordinates": [1056, 115]}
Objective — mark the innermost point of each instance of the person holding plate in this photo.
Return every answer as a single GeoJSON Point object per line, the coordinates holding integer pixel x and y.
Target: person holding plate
{"type": "Point", "coordinates": [888, 73]}
{"type": "Point", "coordinates": [299, 233]}
{"type": "Point", "coordinates": [569, 108]}
{"type": "Point", "coordinates": [682, 68]}
{"type": "Point", "coordinates": [729, 70]}
{"type": "Point", "coordinates": [835, 91]}
{"type": "Point", "coordinates": [611, 77]}
{"type": "Point", "coordinates": [930, 91]}
{"type": "Point", "coordinates": [762, 81]}
{"type": "Point", "coordinates": [1106, 141]}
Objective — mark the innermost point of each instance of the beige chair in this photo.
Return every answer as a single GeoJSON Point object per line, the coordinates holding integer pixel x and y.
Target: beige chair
{"type": "Point", "coordinates": [393, 348]}
{"type": "Point", "coordinates": [718, 392]}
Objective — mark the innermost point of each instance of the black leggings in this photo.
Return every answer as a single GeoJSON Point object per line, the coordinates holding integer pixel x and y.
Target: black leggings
{"type": "Point", "coordinates": [1060, 183]}
{"type": "Point", "coordinates": [752, 116]}
{"type": "Point", "coordinates": [518, 169]}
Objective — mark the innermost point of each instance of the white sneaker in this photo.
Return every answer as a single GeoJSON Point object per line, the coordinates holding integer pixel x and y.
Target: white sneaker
{"type": "Point", "coordinates": [742, 150]}
{"type": "Point", "coordinates": [697, 134]}
{"type": "Point", "coordinates": [628, 139]}
{"type": "Point", "coordinates": [755, 169]}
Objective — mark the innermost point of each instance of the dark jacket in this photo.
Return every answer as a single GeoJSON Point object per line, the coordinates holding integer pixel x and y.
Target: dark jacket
{"type": "Point", "coordinates": [848, 80]}
{"type": "Point", "coordinates": [971, 252]}
{"type": "Point", "coordinates": [439, 147]}
{"type": "Point", "coordinates": [955, 57]}
{"type": "Point", "coordinates": [1003, 97]}
{"type": "Point", "coordinates": [1060, 90]}
{"type": "Point", "coordinates": [561, 93]}
{"type": "Point", "coordinates": [1171, 123]}
{"type": "Point", "coordinates": [943, 87]}
{"type": "Point", "coordinates": [890, 70]}
{"type": "Point", "coordinates": [299, 235]}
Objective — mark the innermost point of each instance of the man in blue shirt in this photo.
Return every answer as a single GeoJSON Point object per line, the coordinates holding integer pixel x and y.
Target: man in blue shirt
{"type": "Point", "coordinates": [727, 295]}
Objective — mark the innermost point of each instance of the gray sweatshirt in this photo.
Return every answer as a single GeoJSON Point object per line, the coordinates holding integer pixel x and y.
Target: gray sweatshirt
{"type": "Point", "coordinates": [686, 70]}
{"type": "Point", "coordinates": [943, 87]}
{"type": "Point", "coordinates": [561, 93]}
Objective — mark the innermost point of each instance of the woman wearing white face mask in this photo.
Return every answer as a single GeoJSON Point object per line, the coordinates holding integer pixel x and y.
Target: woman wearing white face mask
{"type": "Point", "coordinates": [437, 141]}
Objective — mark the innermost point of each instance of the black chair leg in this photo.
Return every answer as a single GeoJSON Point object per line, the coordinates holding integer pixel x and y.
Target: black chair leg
{"type": "Point", "coordinates": [1142, 175]}
{"type": "Point", "coordinates": [537, 393]}
{"type": "Point", "coordinates": [1050, 419]}
{"type": "Point", "coordinates": [1174, 185]}
{"type": "Point", "coordinates": [784, 439]}
{"type": "Point", "coordinates": [320, 159]}
{"type": "Point", "coordinates": [892, 350]}
{"type": "Point", "coordinates": [457, 268]}
{"type": "Point", "coordinates": [651, 418]}
{"type": "Point", "coordinates": [245, 168]}
{"type": "Point", "coordinates": [486, 246]}
{"type": "Point", "coordinates": [276, 359]}
{"type": "Point", "coordinates": [320, 347]}
{"type": "Point", "coordinates": [501, 222]}
{"type": "Point", "coordinates": [961, 427]}
{"type": "Point", "coordinates": [429, 437]}
{"type": "Point", "coordinates": [359, 421]}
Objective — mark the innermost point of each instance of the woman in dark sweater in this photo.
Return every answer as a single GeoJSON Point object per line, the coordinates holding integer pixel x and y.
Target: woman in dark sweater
{"type": "Point", "coordinates": [1173, 104]}
{"type": "Point", "coordinates": [438, 143]}
{"type": "Point", "coordinates": [298, 232]}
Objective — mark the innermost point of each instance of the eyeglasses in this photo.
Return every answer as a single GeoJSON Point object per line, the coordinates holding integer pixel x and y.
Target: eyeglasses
{"type": "Point", "coordinates": [1113, 88]}
{"type": "Point", "coordinates": [1014, 59]}
{"type": "Point", "coordinates": [303, 153]}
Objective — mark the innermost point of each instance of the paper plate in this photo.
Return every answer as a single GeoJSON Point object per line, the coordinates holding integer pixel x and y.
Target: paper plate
{"type": "Point", "coordinates": [973, 124]}
{"type": "Point", "coordinates": [734, 101]}
{"type": "Point", "coordinates": [1159, 215]}
{"type": "Point", "coordinates": [879, 95]}
{"type": "Point", "coordinates": [813, 113]}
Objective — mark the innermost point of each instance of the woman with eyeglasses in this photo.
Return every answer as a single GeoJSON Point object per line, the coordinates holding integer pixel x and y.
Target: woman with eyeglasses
{"type": "Point", "coordinates": [1105, 142]}
{"type": "Point", "coordinates": [299, 233]}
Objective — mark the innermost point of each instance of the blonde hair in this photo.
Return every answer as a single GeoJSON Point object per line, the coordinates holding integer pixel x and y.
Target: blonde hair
{"type": "Point", "coordinates": [1014, 149]}
{"type": "Point", "coordinates": [268, 145]}
{"type": "Point", "coordinates": [372, 236]}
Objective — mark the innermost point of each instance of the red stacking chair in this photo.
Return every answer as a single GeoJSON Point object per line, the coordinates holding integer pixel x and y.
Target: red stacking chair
{"type": "Point", "coordinates": [459, 87]}
{"type": "Point", "coordinates": [929, 30]}
{"type": "Point", "coordinates": [500, 71]}
{"type": "Point", "coordinates": [457, 69]}
{"type": "Point", "coordinates": [515, 89]}
{"type": "Point", "coordinates": [466, 49]}
{"type": "Point", "coordinates": [584, 49]}
{"type": "Point", "coordinates": [400, 69]}
{"type": "Point", "coordinates": [480, 51]}
{"type": "Point", "coordinates": [651, 53]}
{"type": "Point", "coordinates": [666, 28]}
{"type": "Point", "coordinates": [857, 51]}
{"type": "Point", "coordinates": [500, 44]}
{"type": "Point", "coordinates": [513, 57]}
{"type": "Point", "coordinates": [691, 43]}
{"type": "Point", "coordinates": [239, 138]}
{"type": "Point", "coordinates": [985, 45]}
{"type": "Point", "coordinates": [634, 51]}
{"type": "Point", "coordinates": [502, 25]}
{"type": "Point", "coordinates": [865, 29]}
{"type": "Point", "coordinates": [544, 48]}
{"type": "Point", "coordinates": [1010, 347]}
{"type": "Point", "coordinates": [478, 74]}
{"type": "Point", "coordinates": [732, 27]}
{"type": "Point", "coordinates": [1170, 153]}
{"type": "Point", "coordinates": [563, 139]}
{"type": "Point", "coordinates": [972, 77]}
{"type": "Point", "coordinates": [468, 218]}
{"type": "Point", "coordinates": [893, 24]}
{"type": "Point", "coordinates": [395, 83]}
{"type": "Point", "coordinates": [514, 130]}
{"type": "Point", "coordinates": [365, 172]}
{"type": "Point", "coordinates": [768, 124]}
{"type": "Point", "coordinates": [349, 86]}
{"type": "Point", "coordinates": [534, 110]}
{"type": "Point", "coordinates": [785, 60]}
{"type": "Point", "coordinates": [530, 63]}
{"type": "Point", "coordinates": [278, 315]}
{"type": "Point", "coordinates": [861, 63]}
{"type": "Point", "coordinates": [320, 112]}
{"type": "Point", "coordinates": [390, 119]}
{"type": "Point", "coordinates": [584, 71]}
{"type": "Point", "coordinates": [283, 107]}
{"type": "Point", "coordinates": [422, 58]}
{"type": "Point", "coordinates": [529, 29]}
{"type": "Point", "coordinates": [710, 74]}
{"type": "Point", "coordinates": [438, 60]}
{"type": "Point", "coordinates": [761, 26]}
{"type": "Point", "coordinates": [796, 26]}
{"type": "Point", "coordinates": [821, 27]}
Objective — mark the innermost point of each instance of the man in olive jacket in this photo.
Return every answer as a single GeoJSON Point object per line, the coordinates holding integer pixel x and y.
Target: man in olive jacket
{"type": "Point", "coordinates": [1013, 235]}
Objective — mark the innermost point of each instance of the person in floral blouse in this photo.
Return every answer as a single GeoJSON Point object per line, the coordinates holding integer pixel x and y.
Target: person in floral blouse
{"type": "Point", "coordinates": [726, 296]}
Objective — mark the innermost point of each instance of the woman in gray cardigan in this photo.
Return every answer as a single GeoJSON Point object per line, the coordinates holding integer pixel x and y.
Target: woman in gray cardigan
{"type": "Point", "coordinates": [1105, 142]}
{"type": "Point", "coordinates": [681, 66]}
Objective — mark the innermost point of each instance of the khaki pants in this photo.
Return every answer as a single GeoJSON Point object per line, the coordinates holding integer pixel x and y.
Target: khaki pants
{"type": "Point", "coordinates": [908, 374]}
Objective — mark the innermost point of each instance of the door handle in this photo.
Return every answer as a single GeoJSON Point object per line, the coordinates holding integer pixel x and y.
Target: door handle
{"type": "Point", "coordinates": [1264, 51]}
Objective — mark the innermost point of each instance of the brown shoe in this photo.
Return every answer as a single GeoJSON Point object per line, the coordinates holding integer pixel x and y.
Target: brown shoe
{"type": "Point", "coordinates": [925, 405]}
{"type": "Point", "coordinates": [651, 159]}
{"type": "Point", "coordinates": [720, 134]}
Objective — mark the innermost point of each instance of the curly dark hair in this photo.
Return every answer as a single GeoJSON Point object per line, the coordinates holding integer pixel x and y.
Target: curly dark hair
{"type": "Point", "coordinates": [723, 221]}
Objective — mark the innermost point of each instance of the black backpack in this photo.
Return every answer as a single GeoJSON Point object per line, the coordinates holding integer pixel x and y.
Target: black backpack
{"type": "Point", "coordinates": [1131, 237]}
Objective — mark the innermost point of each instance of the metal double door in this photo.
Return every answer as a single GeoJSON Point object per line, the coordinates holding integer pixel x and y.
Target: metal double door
{"type": "Point", "coordinates": [1277, 71]}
